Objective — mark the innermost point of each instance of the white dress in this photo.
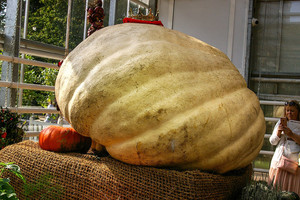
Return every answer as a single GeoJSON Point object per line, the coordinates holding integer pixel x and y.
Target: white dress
{"type": "Point", "coordinates": [291, 148]}
{"type": "Point", "coordinates": [280, 178]}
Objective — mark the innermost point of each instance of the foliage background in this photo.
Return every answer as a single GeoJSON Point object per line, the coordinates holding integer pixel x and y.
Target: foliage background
{"type": "Point", "coordinates": [47, 24]}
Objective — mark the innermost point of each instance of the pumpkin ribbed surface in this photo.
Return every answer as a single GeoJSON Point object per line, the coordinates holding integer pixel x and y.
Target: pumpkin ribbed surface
{"type": "Point", "coordinates": [155, 96]}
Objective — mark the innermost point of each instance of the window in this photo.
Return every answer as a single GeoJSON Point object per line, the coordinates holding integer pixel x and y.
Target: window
{"type": "Point", "coordinates": [275, 52]}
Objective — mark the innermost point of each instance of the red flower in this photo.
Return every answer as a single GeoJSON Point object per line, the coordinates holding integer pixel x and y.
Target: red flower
{"type": "Point", "coordinates": [4, 135]}
{"type": "Point", "coordinates": [60, 63]}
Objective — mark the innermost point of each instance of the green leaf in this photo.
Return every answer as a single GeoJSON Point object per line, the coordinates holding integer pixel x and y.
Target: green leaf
{"type": "Point", "coordinates": [4, 180]}
{"type": "Point", "coordinates": [6, 190]}
{"type": "Point", "coordinates": [4, 164]}
{"type": "Point", "coordinates": [15, 169]}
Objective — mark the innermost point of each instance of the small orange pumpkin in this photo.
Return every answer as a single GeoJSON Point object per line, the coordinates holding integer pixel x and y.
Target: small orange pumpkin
{"type": "Point", "coordinates": [63, 139]}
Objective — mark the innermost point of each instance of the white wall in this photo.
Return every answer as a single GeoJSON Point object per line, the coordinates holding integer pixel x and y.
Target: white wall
{"type": "Point", "coordinates": [220, 23]}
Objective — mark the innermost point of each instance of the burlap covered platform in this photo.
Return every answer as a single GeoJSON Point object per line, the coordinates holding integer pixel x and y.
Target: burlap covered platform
{"type": "Point", "coordinates": [86, 176]}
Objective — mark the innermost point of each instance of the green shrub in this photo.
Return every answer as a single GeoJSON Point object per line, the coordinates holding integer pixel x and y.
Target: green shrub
{"type": "Point", "coordinates": [11, 128]}
{"type": "Point", "coordinates": [261, 190]}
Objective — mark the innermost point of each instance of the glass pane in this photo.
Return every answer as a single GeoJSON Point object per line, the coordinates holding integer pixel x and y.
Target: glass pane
{"type": "Point", "coordinates": [47, 21]}
{"type": "Point", "coordinates": [275, 88]}
{"type": "Point", "coordinates": [135, 8]}
{"type": "Point", "coordinates": [106, 5]}
{"type": "Point", "coordinates": [267, 145]}
{"type": "Point", "coordinates": [276, 39]}
{"type": "Point", "coordinates": [289, 89]}
{"type": "Point", "coordinates": [78, 19]}
{"type": "Point", "coordinates": [263, 88]}
{"type": "Point", "coordinates": [265, 37]}
{"type": "Point", "coordinates": [77, 23]}
{"type": "Point", "coordinates": [121, 11]}
{"type": "Point", "coordinates": [290, 43]}
{"type": "Point", "coordinates": [145, 1]}
{"type": "Point", "coordinates": [275, 48]}
{"type": "Point", "coordinates": [262, 161]}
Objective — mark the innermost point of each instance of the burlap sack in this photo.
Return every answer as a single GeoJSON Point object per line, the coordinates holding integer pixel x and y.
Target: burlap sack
{"type": "Point", "coordinates": [86, 176]}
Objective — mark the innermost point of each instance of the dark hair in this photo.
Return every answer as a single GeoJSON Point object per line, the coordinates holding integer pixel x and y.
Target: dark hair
{"type": "Point", "coordinates": [292, 103]}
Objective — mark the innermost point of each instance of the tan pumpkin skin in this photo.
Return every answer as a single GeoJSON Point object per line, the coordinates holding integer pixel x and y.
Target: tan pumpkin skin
{"type": "Point", "coordinates": [157, 97]}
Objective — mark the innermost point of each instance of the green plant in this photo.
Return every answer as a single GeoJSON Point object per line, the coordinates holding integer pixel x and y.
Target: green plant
{"type": "Point", "coordinates": [38, 75]}
{"type": "Point", "coordinates": [43, 187]}
{"type": "Point", "coordinates": [11, 128]}
{"type": "Point", "coordinates": [6, 190]}
{"type": "Point", "coordinates": [261, 190]}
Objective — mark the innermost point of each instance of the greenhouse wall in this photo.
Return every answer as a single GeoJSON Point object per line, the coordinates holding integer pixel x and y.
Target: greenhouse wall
{"type": "Point", "coordinates": [220, 23]}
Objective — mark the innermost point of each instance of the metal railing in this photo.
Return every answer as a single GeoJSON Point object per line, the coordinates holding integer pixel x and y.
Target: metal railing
{"type": "Point", "coordinates": [28, 62]}
{"type": "Point", "coordinates": [268, 135]}
{"type": "Point", "coordinates": [294, 79]}
{"type": "Point", "coordinates": [275, 80]}
{"type": "Point", "coordinates": [38, 49]}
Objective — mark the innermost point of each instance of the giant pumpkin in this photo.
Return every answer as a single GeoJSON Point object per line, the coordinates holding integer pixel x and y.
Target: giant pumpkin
{"type": "Point", "coordinates": [157, 97]}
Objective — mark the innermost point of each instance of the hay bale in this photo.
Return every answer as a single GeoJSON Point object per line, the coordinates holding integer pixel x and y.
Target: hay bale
{"type": "Point", "coordinates": [86, 176]}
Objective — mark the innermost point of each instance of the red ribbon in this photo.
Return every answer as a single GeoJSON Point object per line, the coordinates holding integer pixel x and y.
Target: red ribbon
{"type": "Point", "coordinates": [130, 20]}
